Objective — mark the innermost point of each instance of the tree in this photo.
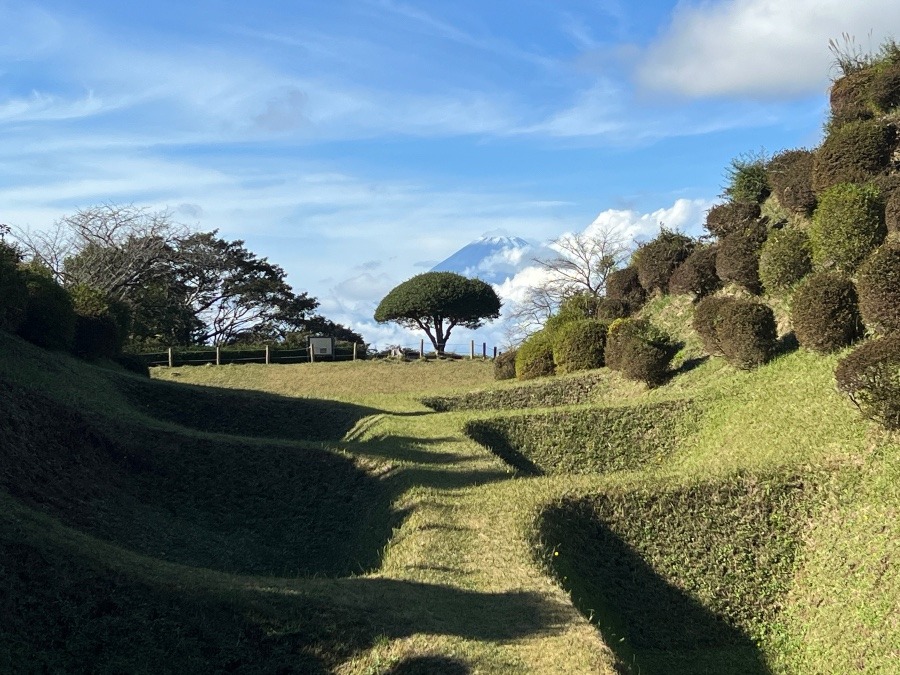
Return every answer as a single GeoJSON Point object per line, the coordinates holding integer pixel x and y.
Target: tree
{"type": "Point", "coordinates": [115, 249]}
{"type": "Point", "coordinates": [584, 262]}
{"type": "Point", "coordinates": [437, 302]}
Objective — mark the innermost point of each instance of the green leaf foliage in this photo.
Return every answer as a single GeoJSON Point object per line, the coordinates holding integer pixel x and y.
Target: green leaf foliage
{"type": "Point", "coordinates": [847, 226]}
{"type": "Point", "coordinates": [542, 394]}
{"type": "Point", "coordinates": [729, 217]}
{"type": "Point", "coordinates": [852, 153]}
{"type": "Point", "coordinates": [656, 260]}
{"type": "Point", "coordinates": [706, 319]}
{"type": "Point", "coordinates": [746, 333]}
{"type": "Point", "coordinates": [785, 258]}
{"type": "Point", "coordinates": [790, 175]}
{"type": "Point", "coordinates": [624, 286]}
{"type": "Point", "coordinates": [505, 365]}
{"type": "Point", "coordinates": [825, 313]}
{"type": "Point", "coordinates": [737, 257]}
{"type": "Point", "coordinates": [49, 315]}
{"type": "Point", "coordinates": [870, 376]}
{"type": "Point", "coordinates": [579, 345]}
{"type": "Point", "coordinates": [697, 274]}
{"type": "Point", "coordinates": [13, 291]}
{"type": "Point", "coordinates": [534, 357]}
{"type": "Point", "coordinates": [748, 181]}
{"type": "Point", "coordinates": [436, 302]}
{"type": "Point", "coordinates": [640, 351]}
{"type": "Point", "coordinates": [878, 283]}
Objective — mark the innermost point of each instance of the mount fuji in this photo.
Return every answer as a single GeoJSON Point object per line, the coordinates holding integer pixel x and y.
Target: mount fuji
{"type": "Point", "coordinates": [493, 259]}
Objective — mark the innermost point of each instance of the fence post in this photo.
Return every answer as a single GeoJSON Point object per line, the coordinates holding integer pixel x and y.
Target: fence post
{"type": "Point", "coordinates": [472, 350]}
{"type": "Point", "coordinates": [267, 355]}
{"type": "Point", "coordinates": [495, 351]}
{"type": "Point", "coordinates": [484, 351]}
{"type": "Point", "coordinates": [171, 358]}
{"type": "Point", "coordinates": [218, 355]}
{"type": "Point", "coordinates": [354, 351]}
{"type": "Point", "coordinates": [422, 348]}
{"type": "Point", "coordinates": [312, 358]}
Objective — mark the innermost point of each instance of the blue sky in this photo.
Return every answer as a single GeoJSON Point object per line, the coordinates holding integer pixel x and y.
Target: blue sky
{"type": "Point", "coordinates": [358, 142]}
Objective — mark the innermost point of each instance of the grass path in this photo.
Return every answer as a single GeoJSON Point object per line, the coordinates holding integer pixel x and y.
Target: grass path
{"type": "Point", "coordinates": [457, 582]}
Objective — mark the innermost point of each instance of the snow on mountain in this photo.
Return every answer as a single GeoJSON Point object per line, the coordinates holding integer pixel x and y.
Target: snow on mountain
{"type": "Point", "coordinates": [493, 259]}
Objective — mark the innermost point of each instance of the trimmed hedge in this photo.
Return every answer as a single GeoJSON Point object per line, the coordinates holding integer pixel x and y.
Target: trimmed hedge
{"type": "Point", "coordinates": [847, 226]}
{"type": "Point", "coordinates": [870, 376]}
{"type": "Point", "coordinates": [852, 153]}
{"type": "Point", "coordinates": [579, 345]}
{"type": "Point", "coordinates": [13, 291]}
{"type": "Point", "coordinates": [790, 174]}
{"type": "Point", "coordinates": [49, 315]}
{"type": "Point", "coordinates": [639, 350]}
{"type": "Point", "coordinates": [706, 319]}
{"type": "Point", "coordinates": [505, 365]}
{"type": "Point", "coordinates": [697, 274]}
{"type": "Point", "coordinates": [849, 98]}
{"type": "Point", "coordinates": [624, 286]}
{"type": "Point", "coordinates": [746, 333]}
{"type": "Point", "coordinates": [785, 258]}
{"type": "Point", "coordinates": [611, 309]}
{"type": "Point", "coordinates": [825, 313]}
{"type": "Point", "coordinates": [737, 258]}
{"type": "Point", "coordinates": [892, 212]}
{"type": "Point", "coordinates": [730, 217]}
{"type": "Point", "coordinates": [878, 283]}
{"type": "Point", "coordinates": [748, 181]}
{"type": "Point", "coordinates": [542, 394]}
{"type": "Point", "coordinates": [534, 357]}
{"type": "Point", "coordinates": [596, 440]}
{"type": "Point", "coordinates": [656, 260]}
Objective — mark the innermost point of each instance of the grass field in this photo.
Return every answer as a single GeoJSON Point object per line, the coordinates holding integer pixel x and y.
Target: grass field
{"type": "Point", "coordinates": [322, 518]}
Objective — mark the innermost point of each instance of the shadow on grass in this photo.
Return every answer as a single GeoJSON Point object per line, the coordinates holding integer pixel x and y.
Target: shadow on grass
{"type": "Point", "coordinates": [222, 504]}
{"type": "Point", "coordinates": [241, 412]}
{"type": "Point", "coordinates": [486, 434]}
{"type": "Point", "coordinates": [430, 665]}
{"type": "Point", "coordinates": [406, 449]}
{"type": "Point", "coordinates": [652, 626]}
{"type": "Point", "coordinates": [690, 364]}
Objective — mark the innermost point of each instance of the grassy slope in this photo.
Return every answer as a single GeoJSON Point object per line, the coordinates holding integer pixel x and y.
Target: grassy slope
{"type": "Point", "coordinates": [461, 586]}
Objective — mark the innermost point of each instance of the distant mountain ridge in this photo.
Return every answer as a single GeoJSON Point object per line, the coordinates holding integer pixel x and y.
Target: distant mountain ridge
{"type": "Point", "coordinates": [491, 258]}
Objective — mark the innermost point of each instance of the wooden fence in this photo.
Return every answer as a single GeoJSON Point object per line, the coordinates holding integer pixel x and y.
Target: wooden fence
{"type": "Point", "coordinates": [192, 356]}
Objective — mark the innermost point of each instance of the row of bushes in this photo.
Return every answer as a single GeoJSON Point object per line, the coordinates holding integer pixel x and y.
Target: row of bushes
{"type": "Point", "coordinates": [80, 320]}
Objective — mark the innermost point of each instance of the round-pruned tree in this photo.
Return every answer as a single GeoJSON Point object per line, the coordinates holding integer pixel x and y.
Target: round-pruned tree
{"type": "Point", "coordinates": [437, 302]}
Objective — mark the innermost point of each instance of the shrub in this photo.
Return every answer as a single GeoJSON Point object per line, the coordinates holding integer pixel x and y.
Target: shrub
{"type": "Point", "coordinates": [825, 313]}
{"type": "Point", "coordinates": [725, 218]}
{"type": "Point", "coordinates": [747, 179]}
{"type": "Point", "coordinates": [101, 324]}
{"type": "Point", "coordinates": [49, 316]}
{"type": "Point", "coordinates": [639, 350]}
{"type": "Point", "coordinates": [878, 283]}
{"type": "Point", "coordinates": [847, 226]}
{"type": "Point", "coordinates": [579, 345]}
{"type": "Point", "coordinates": [534, 357]}
{"type": "Point", "coordinates": [852, 153]}
{"type": "Point", "coordinates": [133, 363]}
{"type": "Point", "coordinates": [624, 286]}
{"type": "Point", "coordinates": [737, 259]}
{"type": "Point", "coordinates": [13, 293]}
{"type": "Point", "coordinates": [573, 308]}
{"type": "Point", "coordinates": [706, 318]}
{"type": "Point", "coordinates": [610, 309]}
{"type": "Point", "coordinates": [697, 274]}
{"type": "Point", "coordinates": [790, 175]}
{"type": "Point", "coordinates": [884, 88]}
{"type": "Point", "coordinates": [785, 258]}
{"type": "Point", "coordinates": [656, 260]}
{"type": "Point", "coordinates": [505, 365]}
{"type": "Point", "coordinates": [892, 212]}
{"type": "Point", "coordinates": [849, 98]}
{"type": "Point", "coordinates": [870, 376]}
{"type": "Point", "coordinates": [746, 333]}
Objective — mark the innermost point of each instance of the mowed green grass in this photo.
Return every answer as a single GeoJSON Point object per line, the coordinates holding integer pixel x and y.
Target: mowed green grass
{"type": "Point", "coordinates": [759, 535]}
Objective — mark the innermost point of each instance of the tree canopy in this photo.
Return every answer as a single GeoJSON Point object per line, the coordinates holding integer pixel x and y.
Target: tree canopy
{"type": "Point", "coordinates": [437, 302]}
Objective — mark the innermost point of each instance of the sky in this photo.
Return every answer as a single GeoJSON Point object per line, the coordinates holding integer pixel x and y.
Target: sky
{"type": "Point", "coordinates": [356, 143]}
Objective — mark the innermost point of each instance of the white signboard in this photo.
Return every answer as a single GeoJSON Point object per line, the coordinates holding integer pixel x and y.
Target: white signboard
{"type": "Point", "coordinates": [321, 348]}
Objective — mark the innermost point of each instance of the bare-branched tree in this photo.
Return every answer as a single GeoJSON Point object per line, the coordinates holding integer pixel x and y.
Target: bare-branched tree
{"type": "Point", "coordinates": [115, 249]}
{"type": "Point", "coordinates": [584, 262]}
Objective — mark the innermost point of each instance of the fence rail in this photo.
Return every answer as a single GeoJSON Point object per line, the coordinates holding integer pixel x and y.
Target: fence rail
{"type": "Point", "coordinates": [187, 356]}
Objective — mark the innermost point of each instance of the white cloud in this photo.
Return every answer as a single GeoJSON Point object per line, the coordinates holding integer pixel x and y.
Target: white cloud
{"type": "Point", "coordinates": [759, 47]}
